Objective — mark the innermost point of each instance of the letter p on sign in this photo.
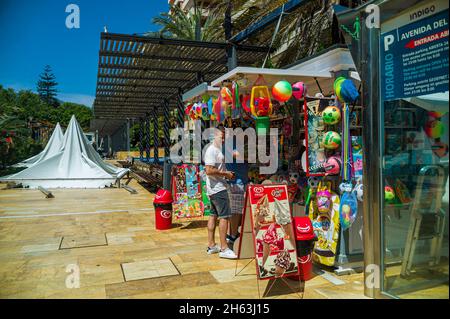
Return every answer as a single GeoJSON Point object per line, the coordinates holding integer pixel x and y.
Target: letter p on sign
{"type": "Point", "coordinates": [388, 40]}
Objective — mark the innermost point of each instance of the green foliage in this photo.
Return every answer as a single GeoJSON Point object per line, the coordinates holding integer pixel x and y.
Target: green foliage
{"type": "Point", "coordinates": [46, 87]}
{"type": "Point", "coordinates": [189, 25]}
{"type": "Point", "coordinates": [18, 110]}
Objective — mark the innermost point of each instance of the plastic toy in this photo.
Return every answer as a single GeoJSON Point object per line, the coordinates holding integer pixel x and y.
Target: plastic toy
{"type": "Point", "coordinates": [439, 149]}
{"type": "Point", "coordinates": [331, 115]}
{"type": "Point", "coordinates": [299, 90]}
{"type": "Point", "coordinates": [333, 165]}
{"type": "Point", "coordinates": [359, 192]}
{"type": "Point", "coordinates": [389, 194]}
{"type": "Point", "coordinates": [434, 129]}
{"type": "Point", "coordinates": [226, 95]}
{"type": "Point", "coordinates": [313, 182]}
{"type": "Point", "coordinates": [261, 108]}
{"type": "Point", "coordinates": [348, 91]}
{"type": "Point", "coordinates": [282, 91]}
{"type": "Point", "coordinates": [323, 201]}
{"type": "Point", "coordinates": [331, 140]}
{"type": "Point", "coordinates": [348, 210]}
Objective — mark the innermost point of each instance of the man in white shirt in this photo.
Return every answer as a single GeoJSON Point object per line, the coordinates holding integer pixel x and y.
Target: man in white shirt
{"type": "Point", "coordinates": [216, 188]}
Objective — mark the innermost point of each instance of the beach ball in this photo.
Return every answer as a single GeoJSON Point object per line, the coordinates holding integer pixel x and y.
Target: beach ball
{"type": "Point", "coordinates": [299, 90]}
{"type": "Point", "coordinates": [333, 165]}
{"type": "Point", "coordinates": [337, 86]}
{"type": "Point", "coordinates": [226, 94]}
{"type": "Point", "coordinates": [282, 91]}
{"type": "Point", "coordinates": [436, 114]}
{"type": "Point", "coordinates": [389, 193]}
{"type": "Point", "coordinates": [331, 140]}
{"type": "Point", "coordinates": [331, 115]}
{"type": "Point", "coordinates": [434, 129]}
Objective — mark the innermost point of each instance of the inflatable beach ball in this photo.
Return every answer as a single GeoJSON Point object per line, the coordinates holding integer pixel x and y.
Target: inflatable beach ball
{"type": "Point", "coordinates": [331, 140]}
{"type": "Point", "coordinates": [299, 90]}
{"type": "Point", "coordinates": [282, 91]}
{"type": "Point", "coordinates": [434, 129]}
{"type": "Point", "coordinates": [331, 115]}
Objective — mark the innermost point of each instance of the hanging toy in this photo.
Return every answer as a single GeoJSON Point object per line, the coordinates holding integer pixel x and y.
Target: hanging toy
{"type": "Point", "coordinates": [205, 113]}
{"type": "Point", "coordinates": [313, 182]}
{"type": "Point", "coordinates": [333, 165]}
{"type": "Point", "coordinates": [439, 149]}
{"type": "Point", "coordinates": [434, 129]}
{"type": "Point", "coordinates": [337, 85]}
{"type": "Point", "coordinates": [348, 91]}
{"type": "Point", "coordinates": [205, 98]}
{"type": "Point", "coordinates": [261, 108]}
{"type": "Point", "coordinates": [226, 95]}
{"type": "Point", "coordinates": [287, 127]}
{"type": "Point", "coordinates": [402, 192]}
{"type": "Point", "coordinates": [299, 90]}
{"type": "Point", "coordinates": [389, 194]}
{"type": "Point", "coordinates": [245, 102]}
{"type": "Point", "coordinates": [348, 209]}
{"type": "Point", "coordinates": [331, 140]}
{"type": "Point", "coordinates": [323, 198]}
{"type": "Point", "coordinates": [236, 102]}
{"type": "Point", "coordinates": [346, 149]}
{"type": "Point", "coordinates": [282, 91]}
{"type": "Point", "coordinates": [359, 192]}
{"type": "Point", "coordinates": [331, 115]}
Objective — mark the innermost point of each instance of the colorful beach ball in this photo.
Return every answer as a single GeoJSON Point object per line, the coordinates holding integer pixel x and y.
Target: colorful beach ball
{"type": "Point", "coordinates": [337, 86]}
{"type": "Point", "coordinates": [282, 91]}
{"type": "Point", "coordinates": [331, 140]}
{"type": "Point", "coordinates": [434, 129]}
{"type": "Point", "coordinates": [299, 90]}
{"type": "Point", "coordinates": [331, 115]}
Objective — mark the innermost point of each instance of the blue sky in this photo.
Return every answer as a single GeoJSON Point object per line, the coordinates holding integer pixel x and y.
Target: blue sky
{"type": "Point", "coordinates": [34, 33]}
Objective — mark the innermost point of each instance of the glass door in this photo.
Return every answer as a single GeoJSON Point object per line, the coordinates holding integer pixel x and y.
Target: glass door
{"type": "Point", "coordinates": [414, 130]}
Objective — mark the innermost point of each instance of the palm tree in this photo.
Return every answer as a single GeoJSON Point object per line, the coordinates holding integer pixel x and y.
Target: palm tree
{"type": "Point", "coordinates": [191, 25]}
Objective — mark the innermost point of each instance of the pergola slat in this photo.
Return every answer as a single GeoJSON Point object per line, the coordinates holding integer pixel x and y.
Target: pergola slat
{"type": "Point", "coordinates": [138, 73]}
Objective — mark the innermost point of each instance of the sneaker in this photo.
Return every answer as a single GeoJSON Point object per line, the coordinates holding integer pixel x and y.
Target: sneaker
{"type": "Point", "coordinates": [213, 250]}
{"type": "Point", "coordinates": [232, 239]}
{"type": "Point", "coordinates": [228, 254]}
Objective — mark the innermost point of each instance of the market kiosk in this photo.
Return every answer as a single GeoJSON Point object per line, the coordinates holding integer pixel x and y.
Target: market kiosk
{"type": "Point", "coordinates": [302, 108]}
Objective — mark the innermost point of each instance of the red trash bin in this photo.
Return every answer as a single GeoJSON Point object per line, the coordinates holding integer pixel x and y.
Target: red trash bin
{"type": "Point", "coordinates": [305, 243]}
{"type": "Point", "coordinates": [163, 209]}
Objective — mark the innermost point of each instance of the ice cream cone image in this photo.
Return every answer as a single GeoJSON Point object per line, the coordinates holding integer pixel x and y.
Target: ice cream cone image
{"type": "Point", "coordinates": [282, 262]}
{"type": "Point", "coordinates": [266, 253]}
{"type": "Point", "coordinates": [278, 271]}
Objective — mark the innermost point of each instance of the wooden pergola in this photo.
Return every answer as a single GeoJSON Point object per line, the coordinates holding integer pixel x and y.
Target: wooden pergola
{"type": "Point", "coordinates": [140, 78]}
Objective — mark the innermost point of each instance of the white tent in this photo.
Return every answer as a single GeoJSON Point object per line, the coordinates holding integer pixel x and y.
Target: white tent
{"type": "Point", "coordinates": [75, 165]}
{"type": "Point", "coordinates": [53, 146]}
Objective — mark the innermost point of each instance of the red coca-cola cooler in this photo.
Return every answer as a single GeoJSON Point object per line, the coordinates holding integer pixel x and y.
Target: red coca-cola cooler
{"type": "Point", "coordinates": [163, 209]}
{"type": "Point", "coordinates": [305, 239]}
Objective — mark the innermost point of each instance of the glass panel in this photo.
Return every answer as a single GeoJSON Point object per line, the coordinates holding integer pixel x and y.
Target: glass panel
{"type": "Point", "coordinates": [415, 207]}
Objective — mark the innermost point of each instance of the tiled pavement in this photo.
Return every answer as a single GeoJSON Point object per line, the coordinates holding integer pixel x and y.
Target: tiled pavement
{"type": "Point", "coordinates": [109, 235]}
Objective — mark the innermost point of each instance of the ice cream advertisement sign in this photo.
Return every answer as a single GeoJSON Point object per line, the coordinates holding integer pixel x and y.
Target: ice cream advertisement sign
{"type": "Point", "coordinates": [272, 229]}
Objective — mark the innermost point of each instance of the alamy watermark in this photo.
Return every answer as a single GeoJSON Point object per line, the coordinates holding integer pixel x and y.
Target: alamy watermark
{"type": "Point", "coordinates": [73, 19]}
